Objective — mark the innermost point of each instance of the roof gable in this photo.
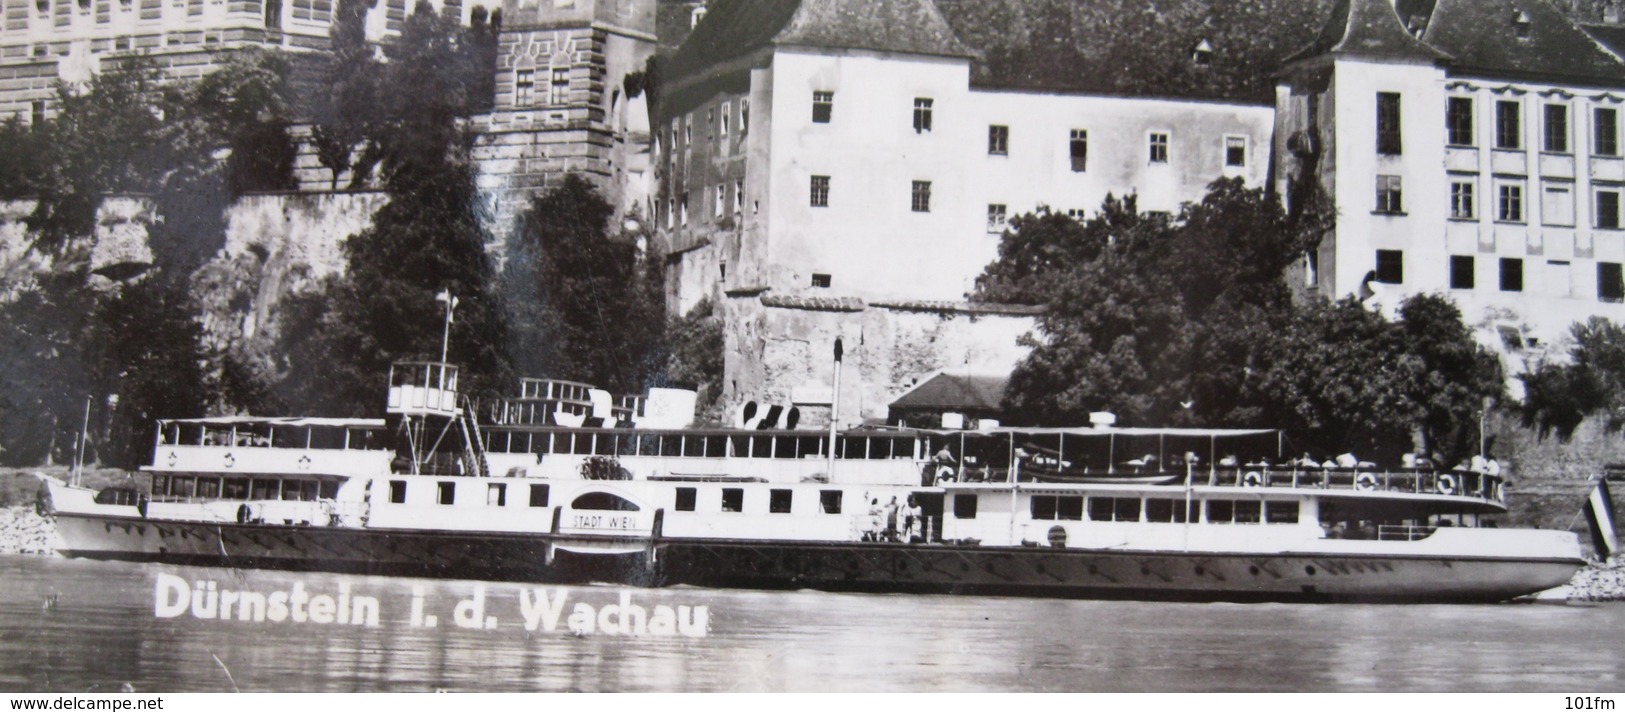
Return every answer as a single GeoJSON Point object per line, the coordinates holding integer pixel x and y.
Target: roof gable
{"type": "Point", "coordinates": [955, 392]}
{"type": "Point", "coordinates": [1368, 27]}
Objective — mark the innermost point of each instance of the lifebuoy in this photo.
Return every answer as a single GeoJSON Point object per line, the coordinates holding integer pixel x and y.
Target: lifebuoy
{"type": "Point", "coordinates": [1252, 479]}
{"type": "Point", "coordinates": [1365, 482]}
{"type": "Point", "coordinates": [1447, 484]}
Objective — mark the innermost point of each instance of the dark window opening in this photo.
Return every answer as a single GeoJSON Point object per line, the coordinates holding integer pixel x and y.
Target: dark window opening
{"type": "Point", "coordinates": [823, 106]}
{"type": "Point", "coordinates": [820, 192]}
{"type": "Point", "coordinates": [821, 281]}
{"type": "Point", "coordinates": [1281, 512]}
{"type": "Point", "coordinates": [1610, 282]}
{"type": "Point", "coordinates": [687, 497]}
{"type": "Point", "coordinates": [733, 499]}
{"type": "Point", "coordinates": [1235, 151]}
{"type": "Point", "coordinates": [1391, 266]}
{"type": "Point", "coordinates": [1388, 143]}
{"type": "Point", "coordinates": [1511, 274]}
{"type": "Point", "coordinates": [1608, 209]}
{"type": "Point", "coordinates": [538, 495]}
{"type": "Point", "coordinates": [397, 491]}
{"type": "Point", "coordinates": [778, 501]}
{"type": "Point", "coordinates": [922, 115]}
{"type": "Point", "coordinates": [604, 501]}
{"type": "Point", "coordinates": [496, 494]}
{"type": "Point", "coordinates": [1080, 150]}
{"type": "Point", "coordinates": [1461, 272]}
{"type": "Point", "coordinates": [829, 501]}
{"type": "Point", "coordinates": [998, 140]}
{"type": "Point", "coordinates": [964, 506]}
{"type": "Point", "coordinates": [1459, 121]}
{"type": "Point", "coordinates": [1557, 128]}
{"type": "Point", "coordinates": [447, 493]}
{"type": "Point", "coordinates": [1605, 124]}
{"type": "Point", "coordinates": [1507, 131]}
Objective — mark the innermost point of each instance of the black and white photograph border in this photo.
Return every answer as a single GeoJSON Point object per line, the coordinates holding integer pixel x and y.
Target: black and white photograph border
{"type": "Point", "coordinates": [1091, 346]}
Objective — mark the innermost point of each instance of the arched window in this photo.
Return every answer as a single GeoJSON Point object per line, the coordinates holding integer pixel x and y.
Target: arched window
{"type": "Point", "coordinates": [604, 501]}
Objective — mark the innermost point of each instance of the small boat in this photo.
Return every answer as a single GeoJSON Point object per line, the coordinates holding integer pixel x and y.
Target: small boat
{"type": "Point", "coordinates": [567, 485]}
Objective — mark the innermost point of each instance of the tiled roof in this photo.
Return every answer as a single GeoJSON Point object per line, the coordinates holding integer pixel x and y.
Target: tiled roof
{"type": "Point", "coordinates": [947, 391]}
{"type": "Point", "coordinates": [788, 301]}
{"type": "Point", "coordinates": [1611, 36]}
{"type": "Point", "coordinates": [734, 28]}
{"type": "Point", "coordinates": [1482, 36]}
{"type": "Point", "coordinates": [1370, 27]}
{"type": "Point", "coordinates": [928, 305]}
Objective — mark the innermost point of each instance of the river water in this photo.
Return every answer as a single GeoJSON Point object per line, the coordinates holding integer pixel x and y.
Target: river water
{"type": "Point", "coordinates": [69, 625]}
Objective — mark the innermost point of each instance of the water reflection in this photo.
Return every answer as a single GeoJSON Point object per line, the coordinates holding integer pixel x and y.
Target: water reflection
{"type": "Point", "coordinates": [79, 625]}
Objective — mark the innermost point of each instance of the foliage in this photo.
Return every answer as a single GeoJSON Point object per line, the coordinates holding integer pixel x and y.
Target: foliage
{"type": "Point", "coordinates": [427, 239]}
{"type": "Point", "coordinates": [594, 307]}
{"type": "Point", "coordinates": [1191, 322]}
{"type": "Point", "coordinates": [1559, 396]}
{"type": "Point", "coordinates": [24, 161]}
{"type": "Point", "coordinates": [697, 353]}
{"type": "Point", "coordinates": [345, 114]}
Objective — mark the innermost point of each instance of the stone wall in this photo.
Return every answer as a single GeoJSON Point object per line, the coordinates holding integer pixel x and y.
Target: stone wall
{"type": "Point", "coordinates": [120, 239]}
{"type": "Point", "coordinates": [779, 349]}
{"type": "Point", "coordinates": [1551, 477]}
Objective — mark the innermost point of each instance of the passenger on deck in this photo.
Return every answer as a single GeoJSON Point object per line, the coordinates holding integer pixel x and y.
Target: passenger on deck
{"type": "Point", "coordinates": [876, 520]}
{"type": "Point", "coordinates": [1306, 461]}
{"type": "Point", "coordinates": [912, 521]}
{"type": "Point", "coordinates": [891, 520]}
{"type": "Point", "coordinates": [944, 464]}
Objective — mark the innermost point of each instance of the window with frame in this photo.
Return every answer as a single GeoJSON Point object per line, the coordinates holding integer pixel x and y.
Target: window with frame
{"type": "Point", "coordinates": [1605, 132]}
{"type": "Point", "coordinates": [1461, 199]}
{"type": "Point", "coordinates": [1390, 197]}
{"type": "Point", "coordinates": [671, 212]}
{"type": "Point", "coordinates": [744, 116]}
{"type": "Point", "coordinates": [726, 118]}
{"type": "Point", "coordinates": [998, 140]}
{"type": "Point", "coordinates": [733, 499]}
{"type": "Point", "coordinates": [920, 199]}
{"type": "Point", "coordinates": [524, 87]}
{"type": "Point", "coordinates": [829, 501]}
{"type": "Point", "coordinates": [739, 197]}
{"type": "Point", "coordinates": [1391, 266]}
{"type": "Point", "coordinates": [559, 90]}
{"type": "Point", "coordinates": [446, 492]}
{"type": "Point", "coordinates": [1557, 205]}
{"type": "Point", "coordinates": [1158, 143]}
{"type": "Point", "coordinates": [1508, 132]}
{"type": "Point", "coordinates": [996, 218]}
{"type": "Point", "coordinates": [1559, 278]}
{"type": "Point", "coordinates": [688, 130]}
{"type": "Point", "coordinates": [1608, 209]}
{"type": "Point", "coordinates": [820, 192]}
{"type": "Point", "coordinates": [1557, 128]}
{"type": "Point", "coordinates": [1388, 143]}
{"type": "Point", "coordinates": [682, 209]}
{"type": "Point", "coordinates": [823, 106]}
{"type": "Point", "coordinates": [1509, 202]}
{"type": "Point", "coordinates": [821, 280]}
{"type": "Point", "coordinates": [1458, 121]}
{"type": "Point", "coordinates": [397, 491]}
{"type": "Point", "coordinates": [710, 124]}
{"type": "Point", "coordinates": [1610, 282]}
{"type": "Point", "coordinates": [778, 501]}
{"type": "Point", "coordinates": [539, 495]}
{"type": "Point", "coordinates": [1235, 151]}
{"type": "Point", "coordinates": [964, 506]}
{"type": "Point", "coordinates": [1511, 274]}
{"type": "Point", "coordinates": [687, 498]}
{"type": "Point", "coordinates": [719, 200]}
{"type": "Point", "coordinates": [1079, 150]}
{"type": "Point", "coordinates": [496, 494]}
{"type": "Point", "coordinates": [922, 114]}
{"type": "Point", "coordinates": [1461, 272]}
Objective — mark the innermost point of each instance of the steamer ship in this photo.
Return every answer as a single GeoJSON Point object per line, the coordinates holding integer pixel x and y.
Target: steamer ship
{"type": "Point", "coordinates": [564, 484]}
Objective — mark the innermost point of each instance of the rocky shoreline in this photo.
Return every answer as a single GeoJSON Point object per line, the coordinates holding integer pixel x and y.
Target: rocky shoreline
{"type": "Point", "coordinates": [24, 531]}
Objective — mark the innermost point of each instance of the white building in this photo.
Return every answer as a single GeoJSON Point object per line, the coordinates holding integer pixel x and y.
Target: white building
{"type": "Point", "coordinates": [1472, 148]}
{"type": "Point", "coordinates": [839, 157]}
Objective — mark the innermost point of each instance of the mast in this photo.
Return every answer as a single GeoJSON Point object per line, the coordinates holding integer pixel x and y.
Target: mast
{"type": "Point", "coordinates": [834, 406]}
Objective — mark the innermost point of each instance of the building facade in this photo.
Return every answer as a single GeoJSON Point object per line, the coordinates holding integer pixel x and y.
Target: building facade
{"type": "Point", "coordinates": [1471, 148]}
{"type": "Point", "coordinates": [842, 156]}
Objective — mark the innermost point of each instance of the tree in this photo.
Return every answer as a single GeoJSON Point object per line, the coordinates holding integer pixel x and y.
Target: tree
{"type": "Point", "coordinates": [597, 310]}
{"type": "Point", "coordinates": [1558, 397]}
{"type": "Point", "coordinates": [697, 354]}
{"type": "Point", "coordinates": [346, 114]}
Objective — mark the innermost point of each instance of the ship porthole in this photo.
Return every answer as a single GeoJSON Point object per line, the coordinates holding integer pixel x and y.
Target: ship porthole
{"type": "Point", "coordinates": [1252, 570]}
{"type": "Point", "coordinates": [1309, 570]}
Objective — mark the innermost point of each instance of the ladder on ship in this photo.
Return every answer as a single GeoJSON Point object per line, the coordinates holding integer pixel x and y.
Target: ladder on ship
{"type": "Point", "coordinates": [474, 453]}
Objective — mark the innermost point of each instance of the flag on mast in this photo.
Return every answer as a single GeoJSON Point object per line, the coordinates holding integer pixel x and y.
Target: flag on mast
{"type": "Point", "coordinates": [1599, 510]}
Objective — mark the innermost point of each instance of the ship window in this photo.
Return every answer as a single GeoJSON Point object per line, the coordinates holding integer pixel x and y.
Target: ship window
{"type": "Point", "coordinates": [829, 501]}
{"type": "Point", "coordinates": [397, 491]}
{"type": "Point", "coordinates": [447, 493]}
{"type": "Point", "coordinates": [1127, 509]}
{"type": "Point", "coordinates": [160, 484]}
{"type": "Point", "coordinates": [496, 494]}
{"type": "Point", "coordinates": [1043, 507]}
{"type": "Point", "coordinates": [267, 489]}
{"type": "Point", "coordinates": [1281, 512]}
{"type": "Point", "coordinates": [1159, 510]}
{"type": "Point", "coordinates": [685, 499]}
{"type": "Point", "coordinates": [1220, 511]}
{"type": "Point", "coordinates": [1069, 508]}
{"type": "Point", "coordinates": [329, 489]}
{"type": "Point", "coordinates": [964, 506]}
{"type": "Point", "coordinates": [778, 501]}
{"type": "Point", "coordinates": [183, 486]}
{"type": "Point", "coordinates": [1248, 512]}
{"type": "Point", "coordinates": [1100, 509]}
{"type": "Point", "coordinates": [538, 495]}
{"type": "Point", "coordinates": [208, 487]}
{"type": "Point", "coordinates": [604, 501]}
{"type": "Point", "coordinates": [733, 499]}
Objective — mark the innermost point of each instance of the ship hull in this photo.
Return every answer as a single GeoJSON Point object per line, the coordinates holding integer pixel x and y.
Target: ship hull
{"type": "Point", "coordinates": [860, 567]}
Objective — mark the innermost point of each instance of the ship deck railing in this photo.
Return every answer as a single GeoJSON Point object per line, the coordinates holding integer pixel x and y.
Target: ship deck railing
{"type": "Point", "coordinates": [1461, 483]}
